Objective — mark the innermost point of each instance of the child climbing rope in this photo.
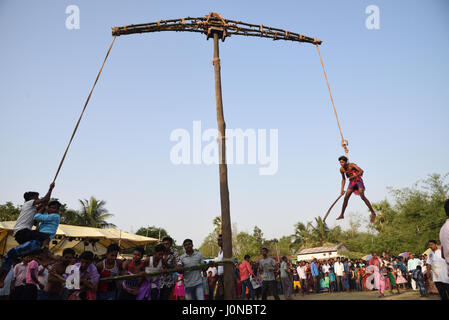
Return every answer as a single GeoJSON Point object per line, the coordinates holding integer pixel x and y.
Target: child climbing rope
{"type": "Point", "coordinates": [354, 174]}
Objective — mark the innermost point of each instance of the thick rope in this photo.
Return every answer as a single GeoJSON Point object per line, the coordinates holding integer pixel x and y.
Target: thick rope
{"type": "Point", "coordinates": [150, 274]}
{"type": "Point", "coordinates": [344, 142]}
{"type": "Point", "coordinates": [85, 105]}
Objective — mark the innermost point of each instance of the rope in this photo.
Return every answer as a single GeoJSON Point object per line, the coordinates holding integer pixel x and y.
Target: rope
{"type": "Point", "coordinates": [85, 105]}
{"type": "Point", "coordinates": [150, 274]}
{"type": "Point", "coordinates": [344, 142]}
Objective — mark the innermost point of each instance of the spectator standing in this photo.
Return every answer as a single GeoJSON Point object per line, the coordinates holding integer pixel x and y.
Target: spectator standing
{"type": "Point", "coordinates": [296, 282]}
{"type": "Point", "coordinates": [42, 277]}
{"type": "Point", "coordinates": [411, 266]}
{"type": "Point", "coordinates": [339, 269]}
{"type": "Point", "coordinates": [170, 260]}
{"type": "Point", "coordinates": [55, 284]}
{"type": "Point", "coordinates": [19, 279]}
{"type": "Point", "coordinates": [193, 282]}
{"type": "Point", "coordinates": [382, 277]}
{"type": "Point", "coordinates": [302, 277]}
{"type": "Point", "coordinates": [352, 278]}
{"type": "Point", "coordinates": [332, 282]}
{"type": "Point", "coordinates": [219, 295]}
{"type": "Point", "coordinates": [151, 287]}
{"type": "Point", "coordinates": [377, 265]}
{"type": "Point", "coordinates": [179, 290]}
{"type": "Point", "coordinates": [89, 277]}
{"type": "Point", "coordinates": [325, 267]}
{"type": "Point", "coordinates": [400, 279]}
{"type": "Point", "coordinates": [109, 267]}
{"type": "Point", "coordinates": [439, 270]}
{"type": "Point", "coordinates": [347, 273]}
{"type": "Point", "coordinates": [315, 276]}
{"type": "Point", "coordinates": [130, 287]}
{"type": "Point", "coordinates": [268, 267]}
{"type": "Point", "coordinates": [6, 290]}
{"type": "Point", "coordinates": [32, 281]}
{"type": "Point", "coordinates": [205, 280]}
{"type": "Point", "coordinates": [418, 276]}
{"type": "Point", "coordinates": [285, 279]}
{"type": "Point", "coordinates": [245, 273]}
{"type": "Point", "coordinates": [392, 276]}
{"type": "Point", "coordinates": [444, 235]}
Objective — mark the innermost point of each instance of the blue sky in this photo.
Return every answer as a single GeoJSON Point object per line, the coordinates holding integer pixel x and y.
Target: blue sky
{"type": "Point", "coordinates": [389, 87]}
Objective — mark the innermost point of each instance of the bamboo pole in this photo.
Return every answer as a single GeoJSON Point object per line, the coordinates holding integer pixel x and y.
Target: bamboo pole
{"type": "Point", "coordinates": [214, 20]}
{"type": "Point", "coordinates": [223, 171]}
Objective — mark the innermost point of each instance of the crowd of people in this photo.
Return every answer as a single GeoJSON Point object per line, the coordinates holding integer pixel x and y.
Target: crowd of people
{"type": "Point", "coordinates": [31, 272]}
{"type": "Point", "coordinates": [78, 277]}
{"type": "Point", "coordinates": [426, 273]}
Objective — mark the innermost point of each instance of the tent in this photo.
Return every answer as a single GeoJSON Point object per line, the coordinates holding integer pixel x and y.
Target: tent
{"type": "Point", "coordinates": [428, 250]}
{"type": "Point", "coordinates": [78, 238]}
{"type": "Point", "coordinates": [367, 257]}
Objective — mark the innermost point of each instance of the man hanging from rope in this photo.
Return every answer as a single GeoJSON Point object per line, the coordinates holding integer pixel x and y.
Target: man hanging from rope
{"type": "Point", "coordinates": [354, 173]}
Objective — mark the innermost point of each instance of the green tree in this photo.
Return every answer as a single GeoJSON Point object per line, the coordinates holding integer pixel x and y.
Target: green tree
{"type": "Point", "coordinates": [217, 224]}
{"type": "Point", "coordinates": [258, 236]}
{"type": "Point", "coordinates": [93, 214]}
{"type": "Point", "coordinates": [319, 232]}
{"type": "Point", "coordinates": [68, 216]}
{"type": "Point", "coordinates": [414, 218]}
{"type": "Point", "coordinates": [302, 236]}
{"type": "Point", "coordinates": [9, 212]}
{"type": "Point", "coordinates": [154, 232]}
{"type": "Point", "coordinates": [210, 245]}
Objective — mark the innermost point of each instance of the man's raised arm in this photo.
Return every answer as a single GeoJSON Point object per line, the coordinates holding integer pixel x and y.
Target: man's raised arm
{"type": "Point", "coordinates": [46, 198]}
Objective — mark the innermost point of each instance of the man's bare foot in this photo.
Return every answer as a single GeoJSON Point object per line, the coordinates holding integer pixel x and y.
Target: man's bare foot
{"type": "Point", "coordinates": [372, 217]}
{"type": "Point", "coordinates": [340, 217]}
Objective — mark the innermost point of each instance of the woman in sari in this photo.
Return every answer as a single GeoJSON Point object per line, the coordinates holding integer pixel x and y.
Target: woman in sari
{"type": "Point", "coordinates": [431, 288]}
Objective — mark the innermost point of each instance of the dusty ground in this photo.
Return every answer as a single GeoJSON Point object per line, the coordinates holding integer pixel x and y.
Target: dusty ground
{"type": "Point", "coordinates": [363, 295]}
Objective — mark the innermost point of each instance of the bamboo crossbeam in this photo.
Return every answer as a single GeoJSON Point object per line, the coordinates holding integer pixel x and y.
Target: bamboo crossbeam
{"type": "Point", "coordinates": [151, 274]}
{"type": "Point", "coordinates": [215, 21]}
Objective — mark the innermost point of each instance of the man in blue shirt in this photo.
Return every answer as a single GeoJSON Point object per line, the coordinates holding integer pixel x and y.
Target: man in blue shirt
{"type": "Point", "coordinates": [49, 221]}
{"type": "Point", "coordinates": [315, 275]}
{"type": "Point", "coordinates": [346, 268]}
{"type": "Point", "coordinates": [48, 224]}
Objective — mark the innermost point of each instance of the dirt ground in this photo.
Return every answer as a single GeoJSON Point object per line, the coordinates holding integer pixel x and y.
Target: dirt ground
{"type": "Point", "coordinates": [363, 295]}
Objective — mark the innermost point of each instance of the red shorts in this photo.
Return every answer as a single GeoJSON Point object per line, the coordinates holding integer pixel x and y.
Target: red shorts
{"type": "Point", "coordinates": [356, 185]}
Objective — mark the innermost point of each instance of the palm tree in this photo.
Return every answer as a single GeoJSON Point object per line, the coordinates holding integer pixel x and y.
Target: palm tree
{"type": "Point", "coordinates": [302, 235]}
{"type": "Point", "coordinates": [320, 232]}
{"type": "Point", "coordinates": [94, 214]}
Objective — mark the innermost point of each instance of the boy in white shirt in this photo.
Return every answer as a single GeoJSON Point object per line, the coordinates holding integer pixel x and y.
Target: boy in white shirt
{"type": "Point", "coordinates": [439, 270]}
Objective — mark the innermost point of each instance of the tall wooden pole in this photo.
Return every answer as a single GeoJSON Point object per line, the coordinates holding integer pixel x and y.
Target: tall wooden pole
{"type": "Point", "coordinates": [223, 169]}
